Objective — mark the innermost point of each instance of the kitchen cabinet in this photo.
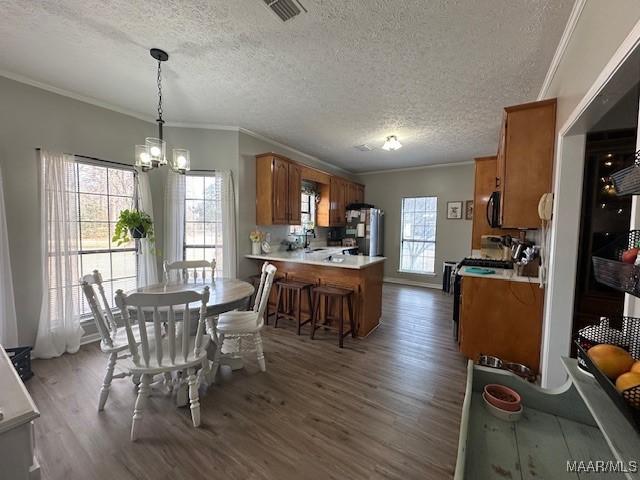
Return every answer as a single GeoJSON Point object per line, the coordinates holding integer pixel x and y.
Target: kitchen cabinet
{"type": "Point", "coordinates": [525, 161]}
{"type": "Point", "coordinates": [337, 202]}
{"type": "Point", "coordinates": [501, 318]}
{"type": "Point", "coordinates": [295, 191]}
{"type": "Point", "coordinates": [484, 185]}
{"type": "Point", "coordinates": [278, 187]}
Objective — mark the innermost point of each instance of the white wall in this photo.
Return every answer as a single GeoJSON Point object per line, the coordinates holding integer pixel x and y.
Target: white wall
{"type": "Point", "coordinates": [448, 183]}
{"type": "Point", "coordinates": [600, 30]}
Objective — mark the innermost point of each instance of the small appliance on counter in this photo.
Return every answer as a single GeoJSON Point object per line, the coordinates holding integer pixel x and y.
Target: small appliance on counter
{"type": "Point", "coordinates": [335, 236]}
{"type": "Point", "coordinates": [494, 247]}
{"type": "Point", "coordinates": [366, 226]}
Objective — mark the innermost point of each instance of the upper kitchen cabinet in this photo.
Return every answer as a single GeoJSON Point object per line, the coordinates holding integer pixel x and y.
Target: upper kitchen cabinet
{"type": "Point", "coordinates": [278, 188]}
{"type": "Point", "coordinates": [337, 202]}
{"type": "Point", "coordinates": [525, 162]}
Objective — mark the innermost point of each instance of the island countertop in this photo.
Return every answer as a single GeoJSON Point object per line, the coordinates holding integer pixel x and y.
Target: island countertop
{"type": "Point", "coordinates": [319, 257]}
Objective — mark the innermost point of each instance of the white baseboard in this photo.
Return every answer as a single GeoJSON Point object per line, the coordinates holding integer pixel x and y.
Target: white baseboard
{"type": "Point", "coordinates": [412, 283]}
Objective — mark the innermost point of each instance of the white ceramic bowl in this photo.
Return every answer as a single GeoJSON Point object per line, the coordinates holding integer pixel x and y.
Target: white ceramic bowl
{"type": "Point", "coordinates": [502, 414]}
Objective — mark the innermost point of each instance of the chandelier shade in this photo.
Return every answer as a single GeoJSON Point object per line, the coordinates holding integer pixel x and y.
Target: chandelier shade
{"type": "Point", "coordinates": [153, 153]}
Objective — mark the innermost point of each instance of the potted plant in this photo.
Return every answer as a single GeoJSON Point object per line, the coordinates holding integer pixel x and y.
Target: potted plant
{"type": "Point", "coordinates": [135, 223]}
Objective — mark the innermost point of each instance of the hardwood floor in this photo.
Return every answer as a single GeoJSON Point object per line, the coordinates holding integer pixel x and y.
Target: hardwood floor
{"type": "Point", "coordinates": [387, 406]}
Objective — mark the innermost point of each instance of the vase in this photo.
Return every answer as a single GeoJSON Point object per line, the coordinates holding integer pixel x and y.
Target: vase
{"type": "Point", "coordinates": [255, 248]}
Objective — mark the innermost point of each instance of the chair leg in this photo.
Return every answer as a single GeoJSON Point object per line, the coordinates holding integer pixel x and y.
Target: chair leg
{"type": "Point", "coordinates": [194, 396]}
{"type": "Point", "coordinates": [352, 320]}
{"type": "Point", "coordinates": [257, 340]}
{"type": "Point", "coordinates": [278, 300]}
{"type": "Point", "coordinates": [315, 313]}
{"type": "Point", "coordinates": [216, 359]}
{"type": "Point", "coordinates": [299, 309]}
{"type": "Point", "coordinates": [341, 323]}
{"type": "Point", "coordinates": [143, 393]}
{"type": "Point", "coordinates": [106, 384]}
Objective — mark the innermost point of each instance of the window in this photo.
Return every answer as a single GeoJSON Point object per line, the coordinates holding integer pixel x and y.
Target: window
{"type": "Point", "coordinates": [418, 250]}
{"type": "Point", "coordinates": [102, 192]}
{"type": "Point", "coordinates": [308, 213]}
{"type": "Point", "coordinates": [203, 219]}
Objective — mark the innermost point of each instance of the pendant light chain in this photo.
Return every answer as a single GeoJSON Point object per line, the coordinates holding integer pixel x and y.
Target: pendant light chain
{"type": "Point", "coordinates": [159, 90]}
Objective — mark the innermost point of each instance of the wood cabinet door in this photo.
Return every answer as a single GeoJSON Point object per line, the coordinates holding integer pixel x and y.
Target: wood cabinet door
{"type": "Point", "coordinates": [337, 202]}
{"type": "Point", "coordinates": [528, 165]}
{"type": "Point", "coordinates": [359, 196]}
{"type": "Point", "coordinates": [295, 191]}
{"type": "Point", "coordinates": [501, 318]}
{"type": "Point", "coordinates": [280, 176]}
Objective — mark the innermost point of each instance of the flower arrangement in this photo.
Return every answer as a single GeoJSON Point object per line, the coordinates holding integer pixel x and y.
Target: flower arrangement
{"type": "Point", "coordinates": [256, 236]}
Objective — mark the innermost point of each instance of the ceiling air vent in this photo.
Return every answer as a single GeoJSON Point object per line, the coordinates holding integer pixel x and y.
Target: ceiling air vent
{"type": "Point", "coordinates": [364, 147]}
{"type": "Point", "coordinates": [285, 9]}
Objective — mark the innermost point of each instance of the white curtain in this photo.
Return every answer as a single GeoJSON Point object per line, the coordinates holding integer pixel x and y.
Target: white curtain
{"type": "Point", "coordinates": [8, 320]}
{"type": "Point", "coordinates": [59, 330]}
{"type": "Point", "coordinates": [174, 217]}
{"type": "Point", "coordinates": [228, 205]}
{"type": "Point", "coordinates": [148, 268]}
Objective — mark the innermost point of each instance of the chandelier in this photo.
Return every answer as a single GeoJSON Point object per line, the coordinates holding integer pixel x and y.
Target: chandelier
{"type": "Point", "coordinates": [154, 151]}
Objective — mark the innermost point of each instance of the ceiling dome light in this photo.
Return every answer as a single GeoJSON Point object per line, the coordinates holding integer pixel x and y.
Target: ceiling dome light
{"type": "Point", "coordinates": [392, 143]}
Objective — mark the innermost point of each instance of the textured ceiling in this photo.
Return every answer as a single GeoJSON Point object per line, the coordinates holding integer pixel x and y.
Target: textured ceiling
{"type": "Point", "coordinates": [435, 73]}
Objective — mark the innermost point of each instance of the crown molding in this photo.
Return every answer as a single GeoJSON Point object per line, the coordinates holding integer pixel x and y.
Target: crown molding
{"type": "Point", "coordinates": [574, 16]}
{"type": "Point", "coordinates": [421, 167]}
{"type": "Point", "coordinates": [297, 152]}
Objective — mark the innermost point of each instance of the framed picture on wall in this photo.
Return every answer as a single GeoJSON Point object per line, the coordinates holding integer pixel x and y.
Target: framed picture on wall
{"type": "Point", "coordinates": [454, 210]}
{"type": "Point", "coordinates": [468, 210]}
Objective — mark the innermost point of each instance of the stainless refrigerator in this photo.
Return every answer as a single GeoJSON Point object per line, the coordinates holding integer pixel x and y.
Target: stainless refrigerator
{"type": "Point", "coordinates": [366, 226]}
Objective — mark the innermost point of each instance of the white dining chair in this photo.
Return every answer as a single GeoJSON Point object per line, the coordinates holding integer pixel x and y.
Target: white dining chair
{"type": "Point", "coordinates": [172, 349]}
{"type": "Point", "coordinates": [241, 326]}
{"type": "Point", "coordinates": [113, 338]}
{"type": "Point", "coordinates": [189, 271]}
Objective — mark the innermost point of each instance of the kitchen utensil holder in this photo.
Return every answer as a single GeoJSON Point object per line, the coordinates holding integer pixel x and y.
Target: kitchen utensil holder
{"type": "Point", "coordinates": [627, 180]}
{"type": "Point", "coordinates": [622, 400]}
{"type": "Point", "coordinates": [611, 271]}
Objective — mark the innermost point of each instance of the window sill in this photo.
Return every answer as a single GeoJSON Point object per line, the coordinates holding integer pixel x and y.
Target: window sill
{"type": "Point", "coordinates": [426, 274]}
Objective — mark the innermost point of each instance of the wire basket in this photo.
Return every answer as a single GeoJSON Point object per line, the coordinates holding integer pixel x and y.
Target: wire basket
{"type": "Point", "coordinates": [628, 402]}
{"type": "Point", "coordinates": [627, 180]}
{"type": "Point", "coordinates": [21, 359]}
{"type": "Point", "coordinates": [611, 271]}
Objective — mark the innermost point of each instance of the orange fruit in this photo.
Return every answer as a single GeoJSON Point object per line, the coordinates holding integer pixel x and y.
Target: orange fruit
{"type": "Point", "coordinates": [612, 360]}
{"type": "Point", "coordinates": [627, 380]}
{"type": "Point", "coordinates": [636, 367]}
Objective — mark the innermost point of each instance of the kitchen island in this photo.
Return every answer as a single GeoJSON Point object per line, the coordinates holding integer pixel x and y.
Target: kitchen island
{"type": "Point", "coordinates": [359, 273]}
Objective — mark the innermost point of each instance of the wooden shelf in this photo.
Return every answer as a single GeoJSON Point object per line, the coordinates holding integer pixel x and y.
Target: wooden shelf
{"type": "Point", "coordinates": [622, 438]}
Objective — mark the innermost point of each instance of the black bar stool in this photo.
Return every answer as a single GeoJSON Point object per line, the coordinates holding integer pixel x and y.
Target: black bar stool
{"type": "Point", "coordinates": [327, 293]}
{"type": "Point", "coordinates": [290, 296]}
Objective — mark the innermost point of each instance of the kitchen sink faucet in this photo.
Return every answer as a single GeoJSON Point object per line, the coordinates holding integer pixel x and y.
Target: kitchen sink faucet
{"type": "Point", "coordinates": [306, 238]}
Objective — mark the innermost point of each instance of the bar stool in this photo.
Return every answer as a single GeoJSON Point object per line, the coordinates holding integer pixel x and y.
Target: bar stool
{"type": "Point", "coordinates": [291, 291]}
{"type": "Point", "coordinates": [255, 281]}
{"type": "Point", "coordinates": [327, 293]}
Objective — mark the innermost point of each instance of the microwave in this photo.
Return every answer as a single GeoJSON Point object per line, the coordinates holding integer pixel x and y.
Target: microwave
{"type": "Point", "coordinates": [493, 210]}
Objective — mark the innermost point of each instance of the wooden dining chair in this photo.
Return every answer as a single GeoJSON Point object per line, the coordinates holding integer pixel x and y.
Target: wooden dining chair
{"type": "Point", "coordinates": [172, 349]}
{"type": "Point", "coordinates": [189, 271]}
{"type": "Point", "coordinates": [246, 325]}
{"type": "Point", "coordinates": [113, 338]}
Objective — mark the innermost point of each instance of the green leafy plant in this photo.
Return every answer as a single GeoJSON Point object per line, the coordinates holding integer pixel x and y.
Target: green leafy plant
{"type": "Point", "coordinates": [132, 224]}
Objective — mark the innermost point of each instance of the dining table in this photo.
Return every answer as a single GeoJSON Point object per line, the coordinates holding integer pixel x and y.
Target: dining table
{"type": "Point", "coordinates": [225, 295]}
